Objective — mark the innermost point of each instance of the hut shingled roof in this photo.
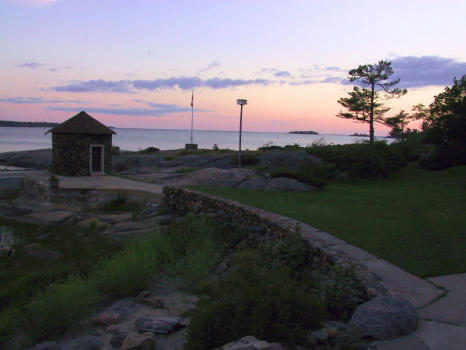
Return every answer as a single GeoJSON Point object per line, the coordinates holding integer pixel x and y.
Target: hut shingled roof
{"type": "Point", "coordinates": [82, 123]}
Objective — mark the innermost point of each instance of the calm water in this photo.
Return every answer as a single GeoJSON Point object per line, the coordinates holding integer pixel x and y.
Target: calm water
{"type": "Point", "coordinates": [21, 139]}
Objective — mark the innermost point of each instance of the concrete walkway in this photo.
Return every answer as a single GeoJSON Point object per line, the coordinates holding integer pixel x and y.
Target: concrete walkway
{"type": "Point", "coordinates": [101, 182]}
{"type": "Point", "coordinates": [440, 301]}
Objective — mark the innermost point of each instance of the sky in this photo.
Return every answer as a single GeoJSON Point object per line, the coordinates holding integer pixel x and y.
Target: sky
{"type": "Point", "coordinates": [134, 63]}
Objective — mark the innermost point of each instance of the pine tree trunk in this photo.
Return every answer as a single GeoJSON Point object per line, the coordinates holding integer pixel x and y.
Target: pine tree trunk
{"type": "Point", "coordinates": [371, 119]}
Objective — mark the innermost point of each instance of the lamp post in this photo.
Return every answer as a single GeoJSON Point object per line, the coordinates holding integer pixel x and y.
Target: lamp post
{"type": "Point", "coordinates": [241, 102]}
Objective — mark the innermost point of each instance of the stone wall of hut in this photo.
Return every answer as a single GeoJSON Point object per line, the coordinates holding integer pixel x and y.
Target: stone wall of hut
{"type": "Point", "coordinates": [71, 153]}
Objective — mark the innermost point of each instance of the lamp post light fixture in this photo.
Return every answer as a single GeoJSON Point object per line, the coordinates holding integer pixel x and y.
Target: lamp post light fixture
{"type": "Point", "coordinates": [241, 102]}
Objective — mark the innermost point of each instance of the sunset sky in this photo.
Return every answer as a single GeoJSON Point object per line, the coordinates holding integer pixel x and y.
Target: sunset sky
{"type": "Point", "coordinates": [133, 63]}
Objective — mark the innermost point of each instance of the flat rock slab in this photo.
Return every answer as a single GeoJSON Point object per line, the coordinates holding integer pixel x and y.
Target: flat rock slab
{"type": "Point", "coordinates": [452, 307]}
{"type": "Point", "coordinates": [129, 226]}
{"type": "Point", "coordinates": [52, 217]}
{"type": "Point", "coordinates": [111, 218]}
{"type": "Point", "coordinates": [158, 324]}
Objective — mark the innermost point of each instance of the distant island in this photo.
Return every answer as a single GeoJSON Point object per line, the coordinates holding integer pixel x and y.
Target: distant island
{"type": "Point", "coordinates": [310, 132]}
{"type": "Point", "coordinates": [9, 123]}
{"type": "Point", "coordinates": [360, 135]}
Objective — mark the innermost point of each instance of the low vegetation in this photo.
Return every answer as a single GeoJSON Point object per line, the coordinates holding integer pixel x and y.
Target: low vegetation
{"type": "Point", "coordinates": [273, 282]}
{"type": "Point", "coordinates": [45, 304]}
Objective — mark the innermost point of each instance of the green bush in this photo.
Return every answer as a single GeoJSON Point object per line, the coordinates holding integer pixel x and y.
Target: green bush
{"type": "Point", "coordinates": [248, 158]}
{"type": "Point", "coordinates": [341, 291]}
{"type": "Point", "coordinates": [252, 300]}
{"type": "Point", "coordinates": [315, 176]}
{"type": "Point", "coordinates": [115, 150]}
{"type": "Point", "coordinates": [361, 160]}
{"type": "Point", "coordinates": [290, 252]}
{"type": "Point", "coordinates": [149, 150]}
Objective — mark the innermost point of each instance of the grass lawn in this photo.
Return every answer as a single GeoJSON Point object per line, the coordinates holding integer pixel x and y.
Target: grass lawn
{"type": "Point", "coordinates": [416, 219]}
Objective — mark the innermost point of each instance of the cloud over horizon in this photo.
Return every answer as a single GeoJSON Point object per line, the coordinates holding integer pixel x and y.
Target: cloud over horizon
{"type": "Point", "coordinates": [157, 110]}
{"type": "Point", "coordinates": [184, 83]}
{"type": "Point", "coordinates": [427, 70]}
{"type": "Point", "coordinates": [31, 65]}
{"type": "Point", "coordinates": [210, 66]}
{"type": "Point", "coordinates": [35, 100]}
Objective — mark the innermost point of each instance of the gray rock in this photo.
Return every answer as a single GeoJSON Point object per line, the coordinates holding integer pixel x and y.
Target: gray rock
{"type": "Point", "coordinates": [9, 210]}
{"type": "Point", "coordinates": [47, 345]}
{"type": "Point", "coordinates": [6, 250]}
{"type": "Point", "coordinates": [117, 339]}
{"type": "Point", "coordinates": [112, 218]}
{"type": "Point", "coordinates": [162, 219]}
{"type": "Point", "coordinates": [336, 324]}
{"type": "Point", "coordinates": [52, 217]}
{"type": "Point", "coordinates": [320, 335]}
{"type": "Point", "coordinates": [151, 210]}
{"type": "Point", "coordinates": [238, 346]}
{"type": "Point", "coordinates": [383, 317]}
{"type": "Point", "coordinates": [158, 324]}
{"type": "Point", "coordinates": [129, 226]}
{"type": "Point", "coordinates": [39, 159]}
{"type": "Point", "coordinates": [138, 342]}
{"type": "Point", "coordinates": [123, 307]}
{"type": "Point", "coordinates": [88, 342]}
{"type": "Point", "coordinates": [286, 184]}
{"type": "Point", "coordinates": [253, 184]}
{"type": "Point", "coordinates": [45, 254]}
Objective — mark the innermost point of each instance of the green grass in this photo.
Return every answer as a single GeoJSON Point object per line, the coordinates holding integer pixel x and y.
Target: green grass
{"type": "Point", "coordinates": [415, 219]}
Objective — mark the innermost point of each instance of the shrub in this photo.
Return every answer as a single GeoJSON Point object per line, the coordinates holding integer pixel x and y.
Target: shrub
{"type": "Point", "coordinates": [149, 150]}
{"type": "Point", "coordinates": [248, 158]}
{"type": "Point", "coordinates": [341, 291]}
{"type": "Point", "coordinates": [254, 301]}
{"type": "Point", "coordinates": [361, 160]}
{"type": "Point", "coordinates": [315, 176]}
{"type": "Point", "coordinates": [115, 150]}
{"type": "Point", "coordinates": [290, 252]}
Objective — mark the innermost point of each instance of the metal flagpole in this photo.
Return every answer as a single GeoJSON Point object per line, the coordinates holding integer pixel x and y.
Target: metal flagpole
{"type": "Point", "coordinates": [192, 114]}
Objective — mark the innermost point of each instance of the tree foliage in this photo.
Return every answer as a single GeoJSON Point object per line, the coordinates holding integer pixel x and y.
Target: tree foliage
{"type": "Point", "coordinates": [365, 104]}
{"type": "Point", "coordinates": [398, 124]}
{"type": "Point", "coordinates": [444, 125]}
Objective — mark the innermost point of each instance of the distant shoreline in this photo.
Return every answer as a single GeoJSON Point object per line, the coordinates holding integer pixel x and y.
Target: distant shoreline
{"type": "Point", "coordinates": [14, 124]}
{"type": "Point", "coordinates": [309, 132]}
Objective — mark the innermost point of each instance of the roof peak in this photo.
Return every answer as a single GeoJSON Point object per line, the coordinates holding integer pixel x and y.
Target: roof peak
{"type": "Point", "coordinates": [82, 123]}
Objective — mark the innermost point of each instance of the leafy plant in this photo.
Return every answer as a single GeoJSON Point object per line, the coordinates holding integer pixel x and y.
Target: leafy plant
{"type": "Point", "coordinates": [252, 300]}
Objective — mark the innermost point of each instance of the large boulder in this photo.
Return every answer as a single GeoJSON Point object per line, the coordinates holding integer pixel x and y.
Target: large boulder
{"type": "Point", "coordinates": [286, 184]}
{"type": "Point", "coordinates": [39, 159]}
{"type": "Point", "coordinates": [47, 345]}
{"type": "Point", "coordinates": [87, 342]}
{"type": "Point", "coordinates": [383, 317]}
{"type": "Point", "coordinates": [138, 342]}
{"type": "Point", "coordinates": [158, 324]}
{"type": "Point", "coordinates": [253, 184]}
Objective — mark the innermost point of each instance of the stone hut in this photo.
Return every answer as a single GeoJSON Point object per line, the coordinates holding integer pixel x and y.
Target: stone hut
{"type": "Point", "coordinates": [81, 146]}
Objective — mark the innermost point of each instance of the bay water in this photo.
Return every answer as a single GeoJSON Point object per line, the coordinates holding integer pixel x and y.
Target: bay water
{"type": "Point", "coordinates": [22, 139]}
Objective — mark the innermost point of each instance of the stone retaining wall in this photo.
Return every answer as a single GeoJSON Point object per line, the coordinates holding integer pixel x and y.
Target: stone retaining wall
{"type": "Point", "coordinates": [269, 225]}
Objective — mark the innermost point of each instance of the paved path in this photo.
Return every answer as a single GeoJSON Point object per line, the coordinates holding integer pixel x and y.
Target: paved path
{"type": "Point", "coordinates": [101, 182]}
{"type": "Point", "coordinates": [440, 301]}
